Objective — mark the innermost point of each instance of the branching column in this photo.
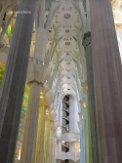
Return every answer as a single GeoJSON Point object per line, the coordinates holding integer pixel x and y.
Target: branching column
{"type": "Point", "coordinates": [107, 71]}
{"type": "Point", "coordinates": [30, 148]}
{"type": "Point", "coordinates": [14, 81]}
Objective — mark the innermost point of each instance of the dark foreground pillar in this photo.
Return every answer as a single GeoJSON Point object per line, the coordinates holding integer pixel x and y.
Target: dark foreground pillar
{"type": "Point", "coordinates": [93, 155]}
{"type": "Point", "coordinates": [107, 71]}
{"type": "Point", "coordinates": [14, 81]}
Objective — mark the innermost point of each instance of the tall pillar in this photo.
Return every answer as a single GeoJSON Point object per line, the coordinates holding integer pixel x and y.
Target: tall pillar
{"type": "Point", "coordinates": [39, 155]}
{"type": "Point", "coordinates": [49, 144]}
{"type": "Point", "coordinates": [46, 137]}
{"type": "Point", "coordinates": [36, 73]}
{"type": "Point", "coordinates": [31, 125]}
{"type": "Point", "coordinates": [107, 71]}
{"type": "Point", "coordinates": [91, 124]}
{"type": "Point", "coordinates": [14, 81]}
{"type": "Point", "coordinates": [36, 78]}
{"type": "Point", "coordinates": [52, 144]}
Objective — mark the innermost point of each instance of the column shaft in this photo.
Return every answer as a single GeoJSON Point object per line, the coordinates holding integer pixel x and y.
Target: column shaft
{"type": "Point", "coordinates": [90, 113]}
{"type": "Point", "coordinates": [39, 155]}
{"type": "Point", "coordinates": [49, 145]}
{"type": "Point", "coordinates": [107, 71]}
{"type": "Point", "coordinates": [31, 125]}
{"type": "Point", "coordinates": [14, 81]}
{"type": "Point", "coordinates": [29, 152]}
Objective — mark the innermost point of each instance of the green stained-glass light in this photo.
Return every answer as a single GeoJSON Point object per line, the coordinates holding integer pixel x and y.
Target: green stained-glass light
{"type": "Point", "coordinates": [9, 31]}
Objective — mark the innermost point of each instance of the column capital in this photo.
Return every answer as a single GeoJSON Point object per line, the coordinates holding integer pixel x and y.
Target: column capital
{"type": "Point", "coordinates": [86, 39]}
{"type": "Point", "coordinates": [36, 82]}
{"type": "Point", "coordinates": [37, 73]}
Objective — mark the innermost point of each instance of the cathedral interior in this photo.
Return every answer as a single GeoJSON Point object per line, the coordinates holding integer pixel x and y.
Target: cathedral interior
{"type": "Point", "coordinates": [60, 81]}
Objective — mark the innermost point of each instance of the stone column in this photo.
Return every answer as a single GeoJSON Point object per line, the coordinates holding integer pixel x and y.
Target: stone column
{"type": "Point", "coordinates": [31, 125]}
{"type": "Point", "coordinates": [36, 77]}
{"type": "Point", "coordinates": [35, 116]}
{"type": "Point", "coordinates": [107, 71]}
{"type": "Point", "coordinates": [14, 81]}
{"type": "Point", "coordinates": [91, 101]}
{"type": "Point", "coordinates": [49, 145]}
{"type": "Point", "coordinates": [54, 142]}
{"type": "Point", "coordinates": [39, 155]}
{"type": "Point", "coordinates": [51, 150]}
